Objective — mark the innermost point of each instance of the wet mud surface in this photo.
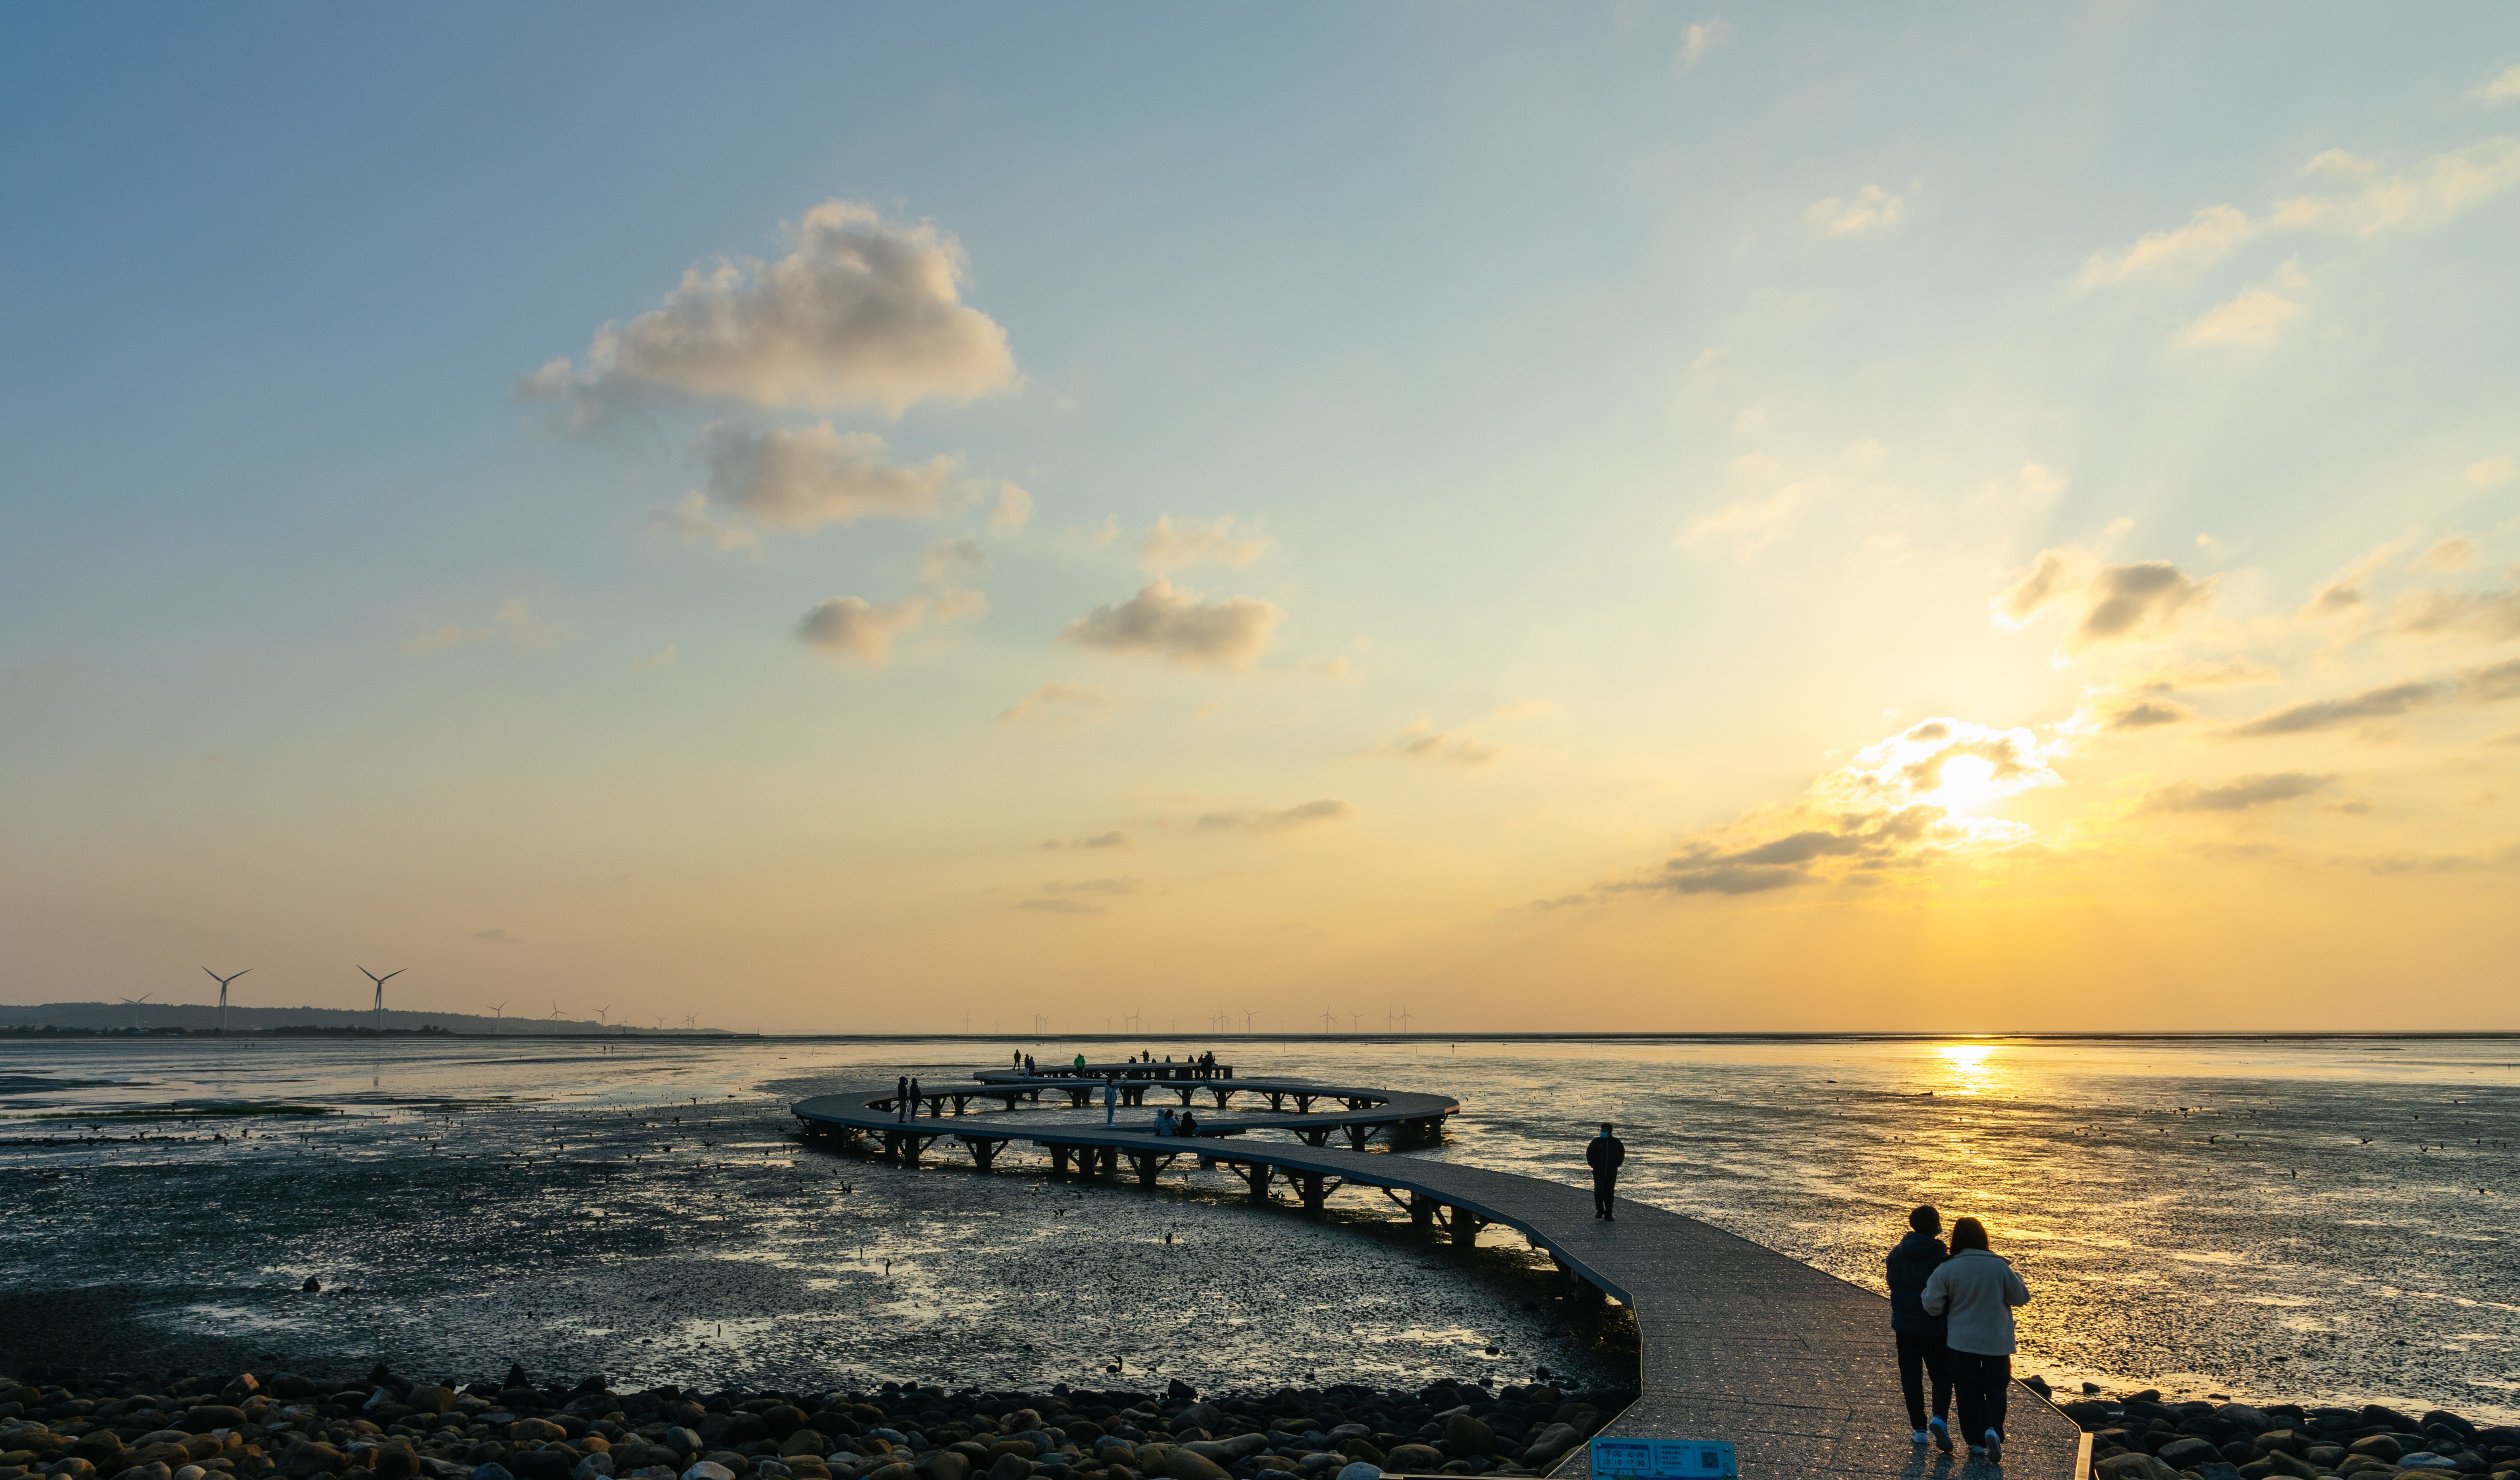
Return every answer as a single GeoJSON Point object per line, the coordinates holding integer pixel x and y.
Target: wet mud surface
{"type": "Point", "coordinates": [706, 1246]}
{"type": "Point", "coordinates": [2309, 1222]}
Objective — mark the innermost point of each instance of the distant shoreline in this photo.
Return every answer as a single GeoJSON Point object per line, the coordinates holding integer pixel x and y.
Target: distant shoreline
{"type": "Point", "coordinates": [31, 1030]}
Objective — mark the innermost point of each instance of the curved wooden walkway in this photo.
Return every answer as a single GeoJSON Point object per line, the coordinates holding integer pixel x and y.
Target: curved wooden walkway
{"type": "Point", "coordinates": [1737, 1342]}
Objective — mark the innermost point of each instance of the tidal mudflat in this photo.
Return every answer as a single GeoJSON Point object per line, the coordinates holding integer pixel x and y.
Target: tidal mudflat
{"type": "Point", "coordinates": [2320, 1221]}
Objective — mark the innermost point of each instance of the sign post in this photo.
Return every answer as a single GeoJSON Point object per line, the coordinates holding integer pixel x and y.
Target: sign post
{"type": "Point", "coordinates": [1663, 1459]}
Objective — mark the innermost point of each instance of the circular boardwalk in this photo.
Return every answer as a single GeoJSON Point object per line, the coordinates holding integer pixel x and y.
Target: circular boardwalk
{"type": "Point", "coordinates": [1738, 1342]}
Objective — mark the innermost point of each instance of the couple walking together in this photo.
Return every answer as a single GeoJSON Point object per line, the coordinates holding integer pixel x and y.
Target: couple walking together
{"type": "Point", "coordinates": [1952, 1313]}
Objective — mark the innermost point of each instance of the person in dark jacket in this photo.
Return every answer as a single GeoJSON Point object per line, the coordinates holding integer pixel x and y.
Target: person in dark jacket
{"type": "Point", "coordinates": [1921, 1336]}
{"type": "Point", "coordinates": [1604, 1152]}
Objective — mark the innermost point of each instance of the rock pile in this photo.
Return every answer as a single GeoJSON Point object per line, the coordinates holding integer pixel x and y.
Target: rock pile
{"type": "Point", "coordinates": [2142, 1438]}
{"type": "Point", "coordinates": [282, 1426]}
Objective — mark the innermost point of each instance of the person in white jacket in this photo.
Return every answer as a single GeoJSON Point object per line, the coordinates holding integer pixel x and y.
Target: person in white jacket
{"type": "Point", "coordinates": [1974, 1291]}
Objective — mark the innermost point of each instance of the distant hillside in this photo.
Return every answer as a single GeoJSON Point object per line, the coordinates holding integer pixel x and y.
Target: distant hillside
{"type": "Point", "coordinates": [115, 1015]}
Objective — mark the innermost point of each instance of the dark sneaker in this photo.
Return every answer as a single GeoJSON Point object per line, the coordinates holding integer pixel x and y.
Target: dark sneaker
{"type": "Point", "coordinates": [1994, 1448]}
{"type": "Point", "coordinates": [1942, 1433]}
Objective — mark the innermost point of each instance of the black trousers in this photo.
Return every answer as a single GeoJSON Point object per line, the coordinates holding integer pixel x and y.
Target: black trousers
{"type": "Point", "coordinates": [1606, 1186]}
{"type": "Point", "coordinates": [1923, 1352]}
{"type": "Point", "coordinates": [1982, 1384]}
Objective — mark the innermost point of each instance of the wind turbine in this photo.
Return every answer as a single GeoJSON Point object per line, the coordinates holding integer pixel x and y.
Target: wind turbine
{"type": "Point", "coordinates": [135, 1003]}
{"type": "Point", "coordinates": [1329, 1020]}
{"type": "Point", "coordinates": [554, 1011]}
{"type": "Point", "coordinates": [381, 990]}
{"type": "Point", "coordinates": [1404, 1018]}
{"type": "Point", "coordinates": [1246, 1020]}
{"type": "Point", "coordinates": [603, 1015]}
{"type": "Point", "coordinates": [223, 996]}
{"type": "Point", "coordinates": [498, 1014]}
{"type": "Point", "coordinates": [691, 1022]}
{"type": "Point", "coordinates": [1355, 1021]}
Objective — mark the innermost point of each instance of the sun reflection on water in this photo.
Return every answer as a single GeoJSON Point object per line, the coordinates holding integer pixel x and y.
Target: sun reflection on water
{"type": "Point", "coordinates": [1971, 1065]}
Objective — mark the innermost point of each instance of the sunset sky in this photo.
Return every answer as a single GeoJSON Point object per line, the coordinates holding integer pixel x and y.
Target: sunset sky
{"type": "Point", "coordinates": [1636, 516]}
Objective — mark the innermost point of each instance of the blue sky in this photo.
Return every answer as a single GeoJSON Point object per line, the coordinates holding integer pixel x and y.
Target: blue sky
{"type": "Point", "coordinates": [1627, 413]}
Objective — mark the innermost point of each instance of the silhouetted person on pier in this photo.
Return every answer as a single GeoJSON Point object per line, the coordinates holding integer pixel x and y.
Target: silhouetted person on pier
{"type": "Point", "coordinates": [914, 1096]}
{"type": "Point", "coordinates": [1189, 1124]}
{"type": "Point", "coordinates": [1604, 1153]}
{"type": "Point", "coordinates": [1976, 1289]}
{"type": "Point", "coordinates": [1920, 1334]}
{"type": "Point", "coordinates": [901, 1097]}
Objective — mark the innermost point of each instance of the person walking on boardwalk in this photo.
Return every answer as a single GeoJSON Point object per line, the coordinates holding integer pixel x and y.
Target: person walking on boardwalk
{"type": "Point", "coordinates": [1975, 1290]}
{"type": "Point", "coordinates": [1111, 1100]}
{"type": "Point", "coordinates": [1604, 1152]}
{"type": "Point", "coordinates": [1919, 1335]}
{"type": "Point", "coordinates": [914, 1096]}
{"type": "Point", "coordinates": [901, 1097]}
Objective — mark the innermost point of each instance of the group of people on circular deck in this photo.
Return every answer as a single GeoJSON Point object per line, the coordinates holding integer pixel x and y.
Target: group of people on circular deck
{"type": "Point", "coordinates": [1204, 1065]}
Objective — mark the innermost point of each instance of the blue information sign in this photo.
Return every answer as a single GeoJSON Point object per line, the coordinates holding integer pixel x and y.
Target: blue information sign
{"type": "Point", "coordinates": [1663, 1459]}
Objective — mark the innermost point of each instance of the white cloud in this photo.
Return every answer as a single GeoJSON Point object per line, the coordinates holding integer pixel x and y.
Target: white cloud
{"type": "Point", "coordinates": [863, 312]}
{"type": "Point", "coordinates": [946, 559]}
{"type": "Point", "coordinates": [1178, 543]}
{"type": "Point", "coordinates": [1174, 624]}
{"type": "Point", "coordinates": [2056, 575]}
{"type": "Point", "coordinates": [2145, 601]}
{"type": "Point", "coordinates": [1872, 209]}
{"type": "Point", "coordinates": [2252, 320]}
{"type": "Point", "coordinates": [2238, 794]}
{"type": "Point", "coordinates": [852, 627]}
{"type": "Point", "coordinates": [1423, 742]}
{"type": "Point", "coordinates": [1752, 525]}
{"type": "Point", "coordinates": [2502, 88]}
{"type": "Point", "coordinates": [2346, 593]}
{"type": "Point", "coordinates": [1125, 883]}
{"type": "Point", "coordinates": [1013, 508]}
{"type": "Point", "coordinates": [691, 520]}
{"type": "Point", "coordinates": [2491, 473]}
{"type": "Point", "coordinates": [1060, 906]}
{"type": "Point", "coordinates": [2140, 603]}
{"type": "Point", "coordinates": [1115, 839]}
{"type": "Point", "coordinates": [1327, 810]}
{"type": "Point", "coordinates": [514, 622]}
{"type": "Point", "coordinates": [801, 477]}
{"type": "Point", "coordinates": [2431, 192]}
{"type": "Point", "coordinates": [1701, 37]}
{"type": "Point", "coordinates": [1057, 700]}
{"type": "Point", "coordinates": [2493, 684]}
{"type": "Point", "coordinates": [2040, 481]}
{"type": "Point", "coordinates": [2492, 615]}
{"type": "Point", "coordinates": [1905, 801]}
{"type": "Point", "coordinates": [2428, 194]}
{"type": "Point", "coordinates": [2208, 237]}
{"type": "Point", "coordinates": [2454, 552]}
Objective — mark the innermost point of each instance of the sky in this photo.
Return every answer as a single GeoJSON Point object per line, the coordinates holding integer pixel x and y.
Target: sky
{"type": "Point", "coordinates": [1579, 518]}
